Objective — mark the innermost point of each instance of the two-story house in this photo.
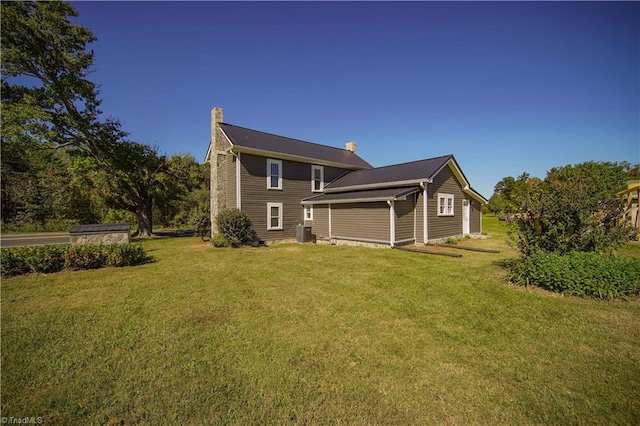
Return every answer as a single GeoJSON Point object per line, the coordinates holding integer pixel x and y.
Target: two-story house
{"type": "Point", "coordinates": [281, 182]}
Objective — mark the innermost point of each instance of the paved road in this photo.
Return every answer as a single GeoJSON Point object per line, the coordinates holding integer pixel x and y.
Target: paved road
{"type": "Point", "coordinates": [15, 240]}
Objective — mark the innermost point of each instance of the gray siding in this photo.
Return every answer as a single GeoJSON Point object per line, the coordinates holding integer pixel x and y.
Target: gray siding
{"type": "Point", "coordinates": [320, 221]}
{"type": "Point", "coordinates": [420, 217]}
{"type": "Point", "coordinates": [364, 221]}
{"type": "Point", "coordinates": [476, 217]}
{"type": "Point", "coordinates": [404, 218]}
{"type": "Point", "coordinates": [444, 226]}
{"type": "Point", "coordinates": [230, 175]}
{"type": "Point", "coordinates": [296, 185]}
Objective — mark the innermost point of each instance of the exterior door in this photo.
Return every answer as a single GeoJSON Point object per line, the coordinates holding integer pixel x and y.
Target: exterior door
{"type": "Point", "coordinates": [466, 217]}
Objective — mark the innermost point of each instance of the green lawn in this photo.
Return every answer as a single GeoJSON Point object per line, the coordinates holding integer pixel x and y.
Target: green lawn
{"type": "Point", "coordinates": [313, 334]}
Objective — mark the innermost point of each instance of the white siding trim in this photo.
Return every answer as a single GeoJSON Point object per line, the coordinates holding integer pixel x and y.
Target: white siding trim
{"type": "Point", "coordinates": [392, 222]}
{"type": "Point", "coordinates": [238, 182]}
{"type": "Point", "coordinates": [271, 161]}
{"type": "Point", "coordinates": [313, 173]}
{"type": "Point", "coordinates": [329, 208]}
{"type": "Point", "coordinates": [425, 218]}
{"type": "Point", "coordinates": [269, 217]}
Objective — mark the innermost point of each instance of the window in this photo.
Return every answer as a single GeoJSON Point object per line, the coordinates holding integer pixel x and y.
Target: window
{"type": "Point", "coordinates": [317, 178]}
{"type": "Point", "coordinates": [274, 174]}
{"type": "Point", "coordinates": [274, 216]}
{"type": "Point", "coordinates": [308, 212]}
{"type": "Point", "coordinates": [445, 205]}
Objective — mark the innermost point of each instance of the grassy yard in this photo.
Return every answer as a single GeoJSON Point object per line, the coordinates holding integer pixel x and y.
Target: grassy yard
{"type": "Point", "coordinates": [313, 334]}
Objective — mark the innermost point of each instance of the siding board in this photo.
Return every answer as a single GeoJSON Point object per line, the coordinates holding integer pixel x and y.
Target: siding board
{"type": "Point", "coordinates": [404, 219]}
{"type": "Point", "coordinates": [296, 185]}
{"type": "Point", "coordinates": [420, 217]}
{"type": "Point", "coordinates": [365, 221]}
{"type": "Point", "coordinates": [320, 221]}
{"type": "Point", "coordinates": [444, 226]}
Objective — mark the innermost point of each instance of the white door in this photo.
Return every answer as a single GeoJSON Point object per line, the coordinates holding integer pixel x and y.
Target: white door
{"type": "Point", "coordinates": [466, 216]}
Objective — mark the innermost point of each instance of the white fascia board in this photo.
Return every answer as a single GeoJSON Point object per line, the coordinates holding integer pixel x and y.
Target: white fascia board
{"type": "Point", "coordinates": [352, 200]}
{"type": "Point", "coordinates": [473, 194]}
{"type": "Point", "coordinates": [328, 190]}
{"type": "Point", "coordinates": [300, 159]}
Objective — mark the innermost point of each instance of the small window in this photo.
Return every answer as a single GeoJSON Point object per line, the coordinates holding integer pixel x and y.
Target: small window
{"type": "Point", "coordinates": [308, 212]}
{"type": "Point", "coordinates": [274, 174]}
{"type": "Point", "coordinates": [317, 178]}
{"type": "Point", "coordinates": [445, 205]}
{"type": "Point", "coordinates": [274, 216]}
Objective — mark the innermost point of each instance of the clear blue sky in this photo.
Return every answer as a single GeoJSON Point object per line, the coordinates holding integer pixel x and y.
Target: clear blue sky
{"type": "Point", "coordinates": [505, 87]}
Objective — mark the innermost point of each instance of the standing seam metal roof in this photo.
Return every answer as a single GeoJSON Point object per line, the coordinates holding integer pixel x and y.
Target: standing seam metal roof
{"type": "Point", "coordinates": [254, 139]}
{"type": "Point", "coordinates": [415, 170]}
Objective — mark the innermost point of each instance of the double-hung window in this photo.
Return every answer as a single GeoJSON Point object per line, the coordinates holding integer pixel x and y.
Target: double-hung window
{"type": "Point", "coordinates": [317, 178]}
{"type": "Point", "coordinates": [308, 212]}
{"type": "Point", "coordinates": [274, 216]}
{"type": "Point", "coordinates": [445, 204]}
{"type": "Point", "coordinates": [274, 174]}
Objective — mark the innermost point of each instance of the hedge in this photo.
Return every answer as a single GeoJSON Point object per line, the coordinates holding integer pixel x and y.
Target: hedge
{"type": "Point", "coordinates": [580, 274]}
{"type": "Point", "coordinates": [55, 258]}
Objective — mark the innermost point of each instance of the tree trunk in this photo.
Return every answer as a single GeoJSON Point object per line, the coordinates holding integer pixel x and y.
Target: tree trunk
{"type": "Point", "coordinates": [144, 217]}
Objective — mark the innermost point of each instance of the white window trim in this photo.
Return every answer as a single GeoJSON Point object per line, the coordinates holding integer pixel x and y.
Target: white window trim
{"type": "Point", "coordinates": [443, 209]}
{"type": "Point", "coordinates": [269, 163]}
{"type": "Point", "coordinates": [310, 207]}
{"type": "Point", "coordinates": [269, 217]}
{"type": "Point", "coordinates": [313, 174]}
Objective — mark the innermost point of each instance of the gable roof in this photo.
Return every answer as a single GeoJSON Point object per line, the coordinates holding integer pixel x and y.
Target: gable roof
{"type": "Point", "coordinates": [404, 174]}
{"type": "Point", "coordinates": [261, 143]}
{"type": "Point", "coordinates": [413, 172]}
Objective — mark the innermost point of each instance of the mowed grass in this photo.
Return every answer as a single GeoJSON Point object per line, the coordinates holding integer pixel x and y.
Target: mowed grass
{"type": "Point", "coordinates": [313, 334]}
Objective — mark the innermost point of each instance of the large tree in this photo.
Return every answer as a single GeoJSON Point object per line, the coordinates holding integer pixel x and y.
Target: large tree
{"type": "Point", "coordinates": [575, 208]}
{"type": "Point", "coordinates": [49, 103]}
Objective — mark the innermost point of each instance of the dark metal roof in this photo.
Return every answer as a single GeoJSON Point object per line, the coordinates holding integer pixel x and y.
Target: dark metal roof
{"type": "Point", "coordinates": [363, 196]}
{"type": "Point", "coordinates": [254, 139]}
{"type": "Point", "coordinates": [100, 228]}
{"type": "Point", "coordinates": [413, 171]}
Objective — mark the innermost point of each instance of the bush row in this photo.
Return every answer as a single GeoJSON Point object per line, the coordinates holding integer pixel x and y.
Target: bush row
{"type": "Point", "coordinates": [54, 258]}
{"type": "Point", "coordinates": [580, 274]}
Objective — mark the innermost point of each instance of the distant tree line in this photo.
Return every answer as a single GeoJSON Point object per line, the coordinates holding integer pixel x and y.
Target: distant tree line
{"type": "Point", "coordinates": [62, 162]}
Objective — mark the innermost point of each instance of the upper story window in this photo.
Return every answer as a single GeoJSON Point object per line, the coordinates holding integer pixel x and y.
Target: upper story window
{"type": "Point", "coordinates": [274, 174]}
{"type": "Point", "coordinates": [445, 204]}
{"type": "Point", "coordinates": [317, 178]}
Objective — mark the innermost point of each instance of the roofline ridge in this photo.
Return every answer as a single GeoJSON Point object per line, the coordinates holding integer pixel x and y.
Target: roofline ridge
{"type": "Point", "coordinates": [414, 161]}
{"type": "Point", "coordinates": [288, 137]}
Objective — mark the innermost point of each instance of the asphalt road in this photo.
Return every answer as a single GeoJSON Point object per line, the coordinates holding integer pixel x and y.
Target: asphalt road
{"type": "Point", "coordinates": [15, 240]}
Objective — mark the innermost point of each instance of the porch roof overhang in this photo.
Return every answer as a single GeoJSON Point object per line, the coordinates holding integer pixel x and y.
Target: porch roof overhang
{"type": "Point", "coordinates": [367, 196]}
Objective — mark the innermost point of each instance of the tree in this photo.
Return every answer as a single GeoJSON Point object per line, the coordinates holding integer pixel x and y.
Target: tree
{"type": "Point", "coordinates": [59, 109]}
{"type": "Point", "coordinates": [575, 208]}
{"type": "Point", "coordinates": [509, 194]}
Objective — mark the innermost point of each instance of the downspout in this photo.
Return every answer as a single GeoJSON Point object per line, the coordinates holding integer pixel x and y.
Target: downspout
{"type": "Point", "coordinates": [238, 187]}
{"type": "Point", "coordinates": [392, 222]}
{"type": "Point", "coordinates": [425, 217]}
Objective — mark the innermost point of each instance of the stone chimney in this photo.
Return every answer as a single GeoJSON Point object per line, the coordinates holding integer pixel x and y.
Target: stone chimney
{"type": "Point", "coordinates": [217, 161]}
{"type": "Point", "coordinates": [350, 146]}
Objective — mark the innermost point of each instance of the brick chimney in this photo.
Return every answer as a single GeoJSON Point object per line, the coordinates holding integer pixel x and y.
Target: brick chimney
{"type": "Point", "coordinates": [350, 146]}
{"type": "Point", "coordinates": [217, 162]}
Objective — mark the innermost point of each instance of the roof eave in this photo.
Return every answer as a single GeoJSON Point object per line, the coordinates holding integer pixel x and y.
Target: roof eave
{"type": "Point", "coordinates": [364, 187]}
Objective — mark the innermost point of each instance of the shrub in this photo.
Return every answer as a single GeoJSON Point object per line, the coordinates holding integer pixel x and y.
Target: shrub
{"type": "Point", "coordinates": [54, 258]}
{"type": "Point", "coordinates": [235, 226]}
{"type": "Point", "coordinates": [579, 273]}
{"type": "Point", "coordinates": [219, 241]}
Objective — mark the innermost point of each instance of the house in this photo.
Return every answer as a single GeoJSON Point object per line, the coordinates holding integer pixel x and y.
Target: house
{"type": "Point", "coordinates": [282, 182]}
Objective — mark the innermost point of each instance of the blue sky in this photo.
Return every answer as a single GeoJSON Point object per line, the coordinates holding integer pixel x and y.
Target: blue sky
{"type": "Point", "coordinates": [505, 87]}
